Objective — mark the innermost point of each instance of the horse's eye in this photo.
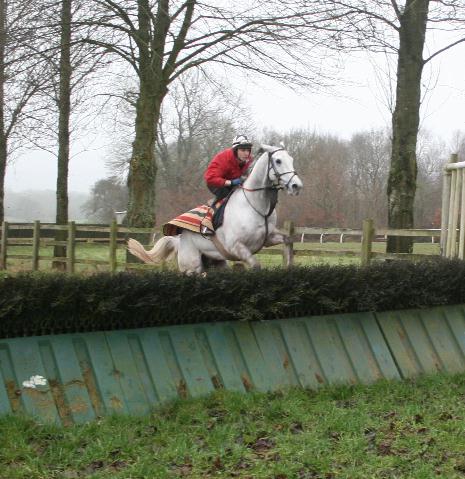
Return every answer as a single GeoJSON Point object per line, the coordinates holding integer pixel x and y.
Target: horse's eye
{"type": "Point", "coordinates": [278, 162]}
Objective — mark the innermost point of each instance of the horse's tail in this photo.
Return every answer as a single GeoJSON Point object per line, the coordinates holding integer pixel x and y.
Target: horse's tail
{"type": "Point", "coordinates": [164, 249]}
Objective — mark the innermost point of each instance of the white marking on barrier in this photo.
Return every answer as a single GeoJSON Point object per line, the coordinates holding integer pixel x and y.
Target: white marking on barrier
{"type": "Point", "coordinates": [35, 381]}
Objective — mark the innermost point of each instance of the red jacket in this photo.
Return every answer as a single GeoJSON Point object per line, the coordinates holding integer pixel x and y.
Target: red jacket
{"type": "Point", "coordinates": [224, 166]}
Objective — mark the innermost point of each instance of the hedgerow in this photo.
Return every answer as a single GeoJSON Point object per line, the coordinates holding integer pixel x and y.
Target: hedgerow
{"type": "Point", "coordinates": [38, 303]}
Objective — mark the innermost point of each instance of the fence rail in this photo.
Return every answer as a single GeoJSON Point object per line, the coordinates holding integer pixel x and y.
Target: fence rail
{"type": "Point", "coordinates": [114, 236]}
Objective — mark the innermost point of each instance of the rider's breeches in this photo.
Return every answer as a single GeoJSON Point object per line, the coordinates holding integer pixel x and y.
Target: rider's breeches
{"type": "Point", "coordinates": [220, 193]}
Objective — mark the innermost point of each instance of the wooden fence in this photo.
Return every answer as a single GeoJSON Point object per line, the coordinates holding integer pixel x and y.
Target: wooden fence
{"type": "Point", "coordinates": [368, 234]}
{"type": "Point", "coordinates": [36, 235]}
{"type": "Point", "coordinates": [453, 209]}
{"type": "Point", "coordinates": [40, 235]}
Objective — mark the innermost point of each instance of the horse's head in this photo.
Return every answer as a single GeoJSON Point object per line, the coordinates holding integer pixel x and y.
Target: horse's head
{"type": "Point", "coordinates": [281, 169]}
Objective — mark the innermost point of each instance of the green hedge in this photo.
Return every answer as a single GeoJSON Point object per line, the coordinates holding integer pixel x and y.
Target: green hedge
{"type": "Point", "coordinates": [36, 304]}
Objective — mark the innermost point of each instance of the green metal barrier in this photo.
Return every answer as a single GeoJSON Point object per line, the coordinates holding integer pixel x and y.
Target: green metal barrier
{"type": "Point", "coordinates": [426, 341]}
{"type": "Point", "coordinates": [75, 378]}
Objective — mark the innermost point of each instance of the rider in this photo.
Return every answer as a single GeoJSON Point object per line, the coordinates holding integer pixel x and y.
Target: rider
{"type": "Point", "coordinates": [226, 169]}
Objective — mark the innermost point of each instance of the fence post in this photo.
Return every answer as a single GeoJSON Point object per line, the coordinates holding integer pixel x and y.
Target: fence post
{"type": "Point", "coordinates": [3, 245]}
{"type": "Point", "coordinates": [35, 245]}
{"type": "Point", "coordinates": [461, 252]}
{"type": "Point", "coordinates": [288, 248]}
{"type": "Point", "coordinates": [71, 247]}
{"type": "Point", "coordinates": [113, 245]}
{"type": "Point", "coordinates": [445, 209]}
{"type": "Point", "coordinates": [367, 238]}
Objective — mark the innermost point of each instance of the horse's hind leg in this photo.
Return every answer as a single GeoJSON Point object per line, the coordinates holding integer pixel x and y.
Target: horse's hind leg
{"type": "Point", "coordinates": [189, 257]}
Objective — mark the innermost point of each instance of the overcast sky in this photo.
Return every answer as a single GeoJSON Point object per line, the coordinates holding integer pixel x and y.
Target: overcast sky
{"type": "Point", "coordinates": [350, 109]}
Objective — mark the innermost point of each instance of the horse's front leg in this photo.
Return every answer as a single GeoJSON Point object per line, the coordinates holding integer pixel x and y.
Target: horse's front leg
{"type": "Point", "coordinates": [277, 237]}
{"type": "Point", "coordinates": [241, 251]}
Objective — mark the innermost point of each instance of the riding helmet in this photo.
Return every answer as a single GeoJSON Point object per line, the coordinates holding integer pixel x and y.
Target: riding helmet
{"type": "Point", "coordinates": [241, 141]}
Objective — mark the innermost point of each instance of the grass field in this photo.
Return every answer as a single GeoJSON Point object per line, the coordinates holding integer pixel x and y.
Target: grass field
{"type": "Point", "coordinates": [273, 261]}
{"type": "Point", "coordinates": [101, 253]}
{"type": "Point", "coordinates": [410, 429]}
{"type": "Point", "coordinates": [83, 251]}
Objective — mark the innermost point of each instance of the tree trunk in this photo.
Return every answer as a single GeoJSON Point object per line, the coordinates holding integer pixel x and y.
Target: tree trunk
{"type": "Point", "coordinates": [405, 123]}
{"type": "Point", "coordinates": [142, 168]}
{"type": "Point", "coordinates": [64, 106]}
{"type": "Point", "coordinates": [3, 138]}
{"type": "Point", "coordinates": [152, 90]}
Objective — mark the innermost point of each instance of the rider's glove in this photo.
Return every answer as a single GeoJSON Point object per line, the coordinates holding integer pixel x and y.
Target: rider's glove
{"type": "Point", "coordinates": [236, 182]}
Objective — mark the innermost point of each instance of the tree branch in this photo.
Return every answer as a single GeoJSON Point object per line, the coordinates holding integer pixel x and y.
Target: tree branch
{"type": "Point", "coordinates": [447, 47]}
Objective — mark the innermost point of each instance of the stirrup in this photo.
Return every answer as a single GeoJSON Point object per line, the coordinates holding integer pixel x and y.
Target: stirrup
{"type": "Point", "coordinates": [206, 231]}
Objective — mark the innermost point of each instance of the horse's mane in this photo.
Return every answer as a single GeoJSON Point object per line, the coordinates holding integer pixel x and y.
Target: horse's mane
{"type": "Point", "coordinates": [259, 153]}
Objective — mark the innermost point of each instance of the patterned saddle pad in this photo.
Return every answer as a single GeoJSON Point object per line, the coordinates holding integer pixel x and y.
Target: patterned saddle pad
{"type": "Point", "coordinates": [199, 220]}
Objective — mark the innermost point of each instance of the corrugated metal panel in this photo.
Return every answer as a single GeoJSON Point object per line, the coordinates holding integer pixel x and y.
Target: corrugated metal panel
{"type": "Point", "coordinates": [426, 341]}
{"type": "Point", "coordinates": [95, 374]}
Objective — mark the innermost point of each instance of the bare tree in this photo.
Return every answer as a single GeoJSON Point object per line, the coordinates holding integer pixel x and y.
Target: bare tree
{"type": "Point", "coordinates": [369, 154]}
{"type": "Point", "coordinates": [198, 119]}
{"type": "Point", "coordinates": [432, 155]}
{"type": "Point", "coordinates": [401, 28]}
{"type": "Point", "coordinates": [163, 39]}
{"type": "Point", "coordinates": [69, 64]}
{"type": "Point", "coordinates": [21, 76]}
{"type": "Point", "coordinates": [458, 144]}
{"type": "Point", "coordinates": [64, 113]}
{"type": "Point", "coordinates": [327, 178]}
{"type": "Point", "coordinates": [322, 162]}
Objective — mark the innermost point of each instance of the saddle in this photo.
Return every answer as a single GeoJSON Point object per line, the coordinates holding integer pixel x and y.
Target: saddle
{"type": "Point", "coordinates": [203, 219]}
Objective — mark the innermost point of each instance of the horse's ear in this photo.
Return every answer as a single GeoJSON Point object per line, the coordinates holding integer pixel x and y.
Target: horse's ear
{"type": "Point", "coordinates": [260, 151]}
{"type": "Point", "coordinates": [266, 148]}
{"type": "Point", "coordinates": [282, 145]}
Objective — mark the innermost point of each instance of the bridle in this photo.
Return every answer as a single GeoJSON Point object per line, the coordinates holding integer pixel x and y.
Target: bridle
{"type": "Point", "coordinates": [272, 166]}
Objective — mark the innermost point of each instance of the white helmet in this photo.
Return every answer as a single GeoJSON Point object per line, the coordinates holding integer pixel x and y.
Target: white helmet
{"type": "Point", "coordinates": [241, 141]}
